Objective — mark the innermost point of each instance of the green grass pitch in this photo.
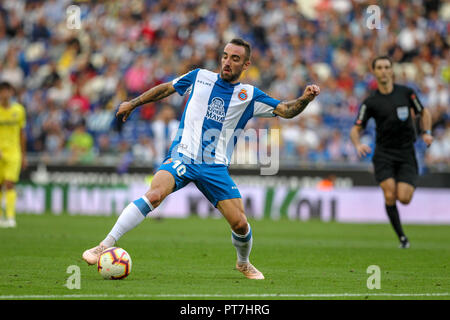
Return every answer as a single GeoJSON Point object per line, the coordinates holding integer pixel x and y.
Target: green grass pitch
{"type": "Point", "coordinates": [194, 259]}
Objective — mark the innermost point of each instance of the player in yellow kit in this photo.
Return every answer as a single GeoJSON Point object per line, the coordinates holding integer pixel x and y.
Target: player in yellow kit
{"type": "Point", "coordinates": [12, 151]}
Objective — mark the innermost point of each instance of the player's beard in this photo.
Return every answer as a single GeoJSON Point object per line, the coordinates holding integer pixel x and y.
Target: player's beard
{"type": "Point", "coordinates": [230, 77]}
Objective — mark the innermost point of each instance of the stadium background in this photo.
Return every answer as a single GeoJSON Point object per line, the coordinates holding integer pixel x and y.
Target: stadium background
{"type": "Point", "coordinates": [71, 82]}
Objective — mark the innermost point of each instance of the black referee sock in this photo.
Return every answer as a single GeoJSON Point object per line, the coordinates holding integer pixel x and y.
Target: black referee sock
{"type": "Point", "coordinates": [394, 217]}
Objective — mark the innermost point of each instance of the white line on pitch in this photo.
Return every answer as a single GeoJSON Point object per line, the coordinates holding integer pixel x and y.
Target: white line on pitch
{"type": "Point", "coordinates": [250, 295]}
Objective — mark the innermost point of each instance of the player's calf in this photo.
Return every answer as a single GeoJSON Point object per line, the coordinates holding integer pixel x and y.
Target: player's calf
{"type": "Point", "coordinates": [131, 217]}
{"type": "Point", "coordinates": [389, 197]}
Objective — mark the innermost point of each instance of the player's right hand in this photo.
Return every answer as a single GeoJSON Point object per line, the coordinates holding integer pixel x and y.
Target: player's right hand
{"type": "Point", "coordinates": [363, 150]}
{"type": "Point", "coordinates": [311, 91]}
{"type": "Point", "coordinates": [125, 110]}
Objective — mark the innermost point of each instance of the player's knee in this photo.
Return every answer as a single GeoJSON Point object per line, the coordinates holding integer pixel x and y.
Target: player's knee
{"type": "Point", "coordinates": [155, 197]}
{"type": "Point", "coordinates": [405, 199]}
{"type": "Point", "coordinates": [240, 226]}
{"type": "Point", "coordinates": [389, 197]}
{"type": "Point", "coordinates": [9, 185]}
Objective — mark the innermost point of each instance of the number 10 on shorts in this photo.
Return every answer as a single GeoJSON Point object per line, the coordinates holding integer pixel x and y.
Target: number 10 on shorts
{"type": "Point", "coordinates": [181, 168]}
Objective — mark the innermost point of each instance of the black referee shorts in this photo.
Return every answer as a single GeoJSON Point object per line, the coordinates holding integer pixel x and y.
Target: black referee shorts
{"type": "Point", "coordinates": [400, 164]}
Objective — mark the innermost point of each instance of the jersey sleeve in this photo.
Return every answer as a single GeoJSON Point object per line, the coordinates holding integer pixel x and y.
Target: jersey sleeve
{"type": "Point", "coordinates": [264, 105]}
{"type": "Point", "coordinates": [363, 114]}
{"type": "Point", "coordinates": [183, 83]}
{"type": "Point", "coordinates": [415, 102]}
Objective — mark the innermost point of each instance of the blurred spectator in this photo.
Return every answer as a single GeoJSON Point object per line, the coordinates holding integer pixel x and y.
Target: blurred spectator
{"type": "Point", "coordinates": [164, 128]}
{"type": "Point", "coordinates": [60, 92]}
{"type": "Point", "coordinates": [100, 120]}
{"type": "Point", "coordinates": [289, 135]}
{"type": "Point", "coordinates": [321, 155]}
{"type": "Point", "coordinates": [125, 156]}
{"type": "Point", "coordinates": [111, 78]}
{"type": "Point", "coordinates": [144, 151]}
{"type": "Point", "coordinates": [78, 101]}
{"type": "Point", "coordinates": [54, 144]}
{"type": "Point", "coordinates": [138, 77]}
{"type": "Point", "coordinates": [306, 136]}
{"type": "Point", "coordinates": [69, 55]}
{"type": "Point", "coordinates": [336, 146]}
{"type": "Point", "coordinates": [11, 70]}
{"type": "Point", "coordinates": [107, 151]}
{"type": "Point", "coordinates": [410, 38]}
{"type": "Point", "coordinates": [40, 30]}
{"type": "Point", "coordinates": [439, 151]}
{"type": "Point", "coordinates": [80, 145]}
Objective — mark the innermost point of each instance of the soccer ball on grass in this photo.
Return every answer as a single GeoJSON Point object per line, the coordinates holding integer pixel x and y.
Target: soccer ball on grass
{"type": "Point", "coordinates": [114, 263]}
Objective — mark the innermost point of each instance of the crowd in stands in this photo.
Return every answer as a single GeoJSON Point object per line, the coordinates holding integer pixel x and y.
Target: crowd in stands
{"type": "Point", "coordinates": [71, 81]}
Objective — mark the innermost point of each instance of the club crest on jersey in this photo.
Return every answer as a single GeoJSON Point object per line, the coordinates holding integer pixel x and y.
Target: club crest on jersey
{"type": "Point", "coordinates": [242, 95]}
{"type": "Point", "coordinates": [402, 113]}
{"type": "Point", "coordinates": [216, 110]}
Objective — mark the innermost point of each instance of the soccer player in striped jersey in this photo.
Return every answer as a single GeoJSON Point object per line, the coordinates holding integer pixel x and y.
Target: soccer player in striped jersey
{"type": "Point", "coordinates": [217, 110]}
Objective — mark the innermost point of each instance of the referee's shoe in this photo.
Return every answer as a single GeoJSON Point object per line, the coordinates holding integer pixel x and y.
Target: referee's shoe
{"type": "Point", "coordinates": [404, 243]}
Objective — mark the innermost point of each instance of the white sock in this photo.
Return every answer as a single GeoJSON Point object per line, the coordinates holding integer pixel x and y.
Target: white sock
{"type": "Point", "coordinates": [130, 218]}
{"type": "Point", "coordinates": [243, 244]}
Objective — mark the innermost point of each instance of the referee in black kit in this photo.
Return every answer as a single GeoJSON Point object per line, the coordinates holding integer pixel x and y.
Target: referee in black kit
{"type": "Point", "coordinates": [394, 158]}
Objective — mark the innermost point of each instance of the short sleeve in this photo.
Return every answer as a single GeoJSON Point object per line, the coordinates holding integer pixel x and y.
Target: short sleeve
{"type": "Point", "coordinates": [183, 83]}
{"type": "Point", "coordinates": [363, 115]}
{"type": "Point", "coordinates": [416, 104]}
{"type": "Point", "coordinates": [264, 105]}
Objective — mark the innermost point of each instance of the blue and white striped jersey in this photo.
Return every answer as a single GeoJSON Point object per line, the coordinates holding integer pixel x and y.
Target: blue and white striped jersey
{"type": "Point", "coordinates": [215, 114]}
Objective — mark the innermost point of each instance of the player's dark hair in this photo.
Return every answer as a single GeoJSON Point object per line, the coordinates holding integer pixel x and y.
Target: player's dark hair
{"type": "Point", "coordinates": [374, 61]}
{"type": "Point", "coordinates": [6, 85]}
{"type": "Point", "coordinates": [245, 44]}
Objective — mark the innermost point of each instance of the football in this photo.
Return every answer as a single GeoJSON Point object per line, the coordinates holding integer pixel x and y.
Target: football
{"type": "Point", "coordinates": [114, 264]}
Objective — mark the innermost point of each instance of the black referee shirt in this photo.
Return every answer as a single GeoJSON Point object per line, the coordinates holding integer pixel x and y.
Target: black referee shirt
{"type": "Point", "coordinates": [395, 127]}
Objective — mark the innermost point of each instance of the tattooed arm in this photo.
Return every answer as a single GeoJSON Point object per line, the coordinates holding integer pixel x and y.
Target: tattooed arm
{"type": "Point", "coordinates": [289, 109]}
{"type": "Point", "coordinates": [154, 94]}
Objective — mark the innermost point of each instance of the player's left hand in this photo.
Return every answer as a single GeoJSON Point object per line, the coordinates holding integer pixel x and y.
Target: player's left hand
{"type": "Point", "coordinates": [311, 91]}
{"type": "Point", "coordinates": [428, 139]}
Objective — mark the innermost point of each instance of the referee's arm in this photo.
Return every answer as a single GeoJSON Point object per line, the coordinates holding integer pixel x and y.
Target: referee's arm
{"type": "Point", "coordinates": [361, 148]}
{"type": "Point", "coordinates": [425, 122]}
{"type": "Point", "coordinates": [425, 118]}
